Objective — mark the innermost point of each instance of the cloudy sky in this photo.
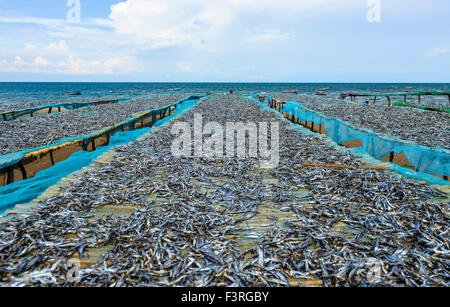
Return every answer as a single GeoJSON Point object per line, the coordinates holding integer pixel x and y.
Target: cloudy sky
{"type": "Point", "coordinates": [225, 40]}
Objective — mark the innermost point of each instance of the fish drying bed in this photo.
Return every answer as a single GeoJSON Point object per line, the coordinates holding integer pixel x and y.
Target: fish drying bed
{"type": "Point", "coordinates": [423, 160]}
{"type": "Point", "coordinates": [427, 128]}
{"type": "Point", "coordinates": [59, 107]}
{"type": "Point", "coordinates": [23, 191]}
{"type": "Point", "coordinates": [26, 164]}
{"type": "Point", "coordinates": [5, 108]}
{"type": "Point", "coordinates": [389, 97]}
{"type": "Point", "coordinates": [140, 216]}
{"type": "Point", "coordinates": [26, 133]}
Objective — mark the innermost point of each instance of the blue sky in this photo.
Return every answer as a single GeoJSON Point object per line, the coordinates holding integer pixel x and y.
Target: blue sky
{"type": "Point", "coordinates": [226, 40]}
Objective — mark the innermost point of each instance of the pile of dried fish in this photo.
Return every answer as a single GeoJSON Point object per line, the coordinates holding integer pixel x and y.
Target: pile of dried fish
{"type": "Point", "coordinates": [426, 128]}
{"type": "Point", "coordinates": [148, 218]}
{"type": "Point", "coordinates": [43, 130]}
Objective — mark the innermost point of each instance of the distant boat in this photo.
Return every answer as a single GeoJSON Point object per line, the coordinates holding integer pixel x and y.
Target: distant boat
{"type": "Point", "coordinates": [324, 89]}
{"type": "Point", "coordinates": [174, 89]}
{"type": "Point", "coordinates": [290, 92]}
{"type": "Point", "coordinates": [72, 93]}
{"type": "Point", "coordinates": [113, 91]}
{"type": "Point", "coordinates": [321, 93]}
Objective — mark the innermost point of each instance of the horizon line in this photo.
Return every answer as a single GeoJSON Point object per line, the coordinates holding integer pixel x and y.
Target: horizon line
{"type": "Point", "coordinates": [249, 82]}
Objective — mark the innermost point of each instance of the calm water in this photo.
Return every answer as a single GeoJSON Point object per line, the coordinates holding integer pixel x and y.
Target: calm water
{"type": "Point", "coordinates": [17, 93]}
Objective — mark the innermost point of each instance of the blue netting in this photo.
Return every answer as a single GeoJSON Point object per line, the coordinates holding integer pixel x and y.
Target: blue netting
{"type": "Point", "coordinates": [24, 191]}
{"type": "Point", "coordinates": [429, 161]}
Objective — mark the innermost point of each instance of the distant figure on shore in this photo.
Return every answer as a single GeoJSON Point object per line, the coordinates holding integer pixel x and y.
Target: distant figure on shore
{"type": "Point", "coordinates": [231, 92]}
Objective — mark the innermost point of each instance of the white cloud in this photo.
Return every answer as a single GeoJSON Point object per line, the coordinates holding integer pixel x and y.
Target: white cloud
{"type": "Point", "coordinates": [101, 22]}
{"type": "Point", "coordinates": [56, 23]}
{"type": "Point", "coordinates": [179, 22]}
{"type": "Point", "coordinates": [269, 37]}
{"type": "Point", "coordinates": [209, 25]}
{"type": "Point", "coordinates": [167, 23]}
{"type": "Point", "coordinates": [40, 61]}
{"type": "Point", "coordinates": [112, 45]}
{"type": "Point", "coordinates": [73, 66]}
{"type": "Point", "coordinates": [57, 57]}
{"type": "Point", "coordinates": [217, 37]}
{"type": "Point", "coordinates": [34, 20]}
{"type": "Point", "coordinates": [60, 46]}
{"type": "Point", "coordinates": [437, 51]}
{"type": "Point", "coordinates": [19, 61]}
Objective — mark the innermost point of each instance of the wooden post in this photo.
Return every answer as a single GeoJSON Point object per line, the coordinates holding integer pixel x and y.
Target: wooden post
{"type": "Point", "coordinates": [405, 99]}
{"type": "Point", "coordinates": [375, 100]}
{"type": "Point", "coordinates": [52, 158]}
{"type": "Point", "coordinates": [419, 98]}
{"type": "Point", "coordinates": [23, 171]}
{"type": "Point", "coordinates": [389, 100]}
{"type": "Point", "coordinates": [10, 176]}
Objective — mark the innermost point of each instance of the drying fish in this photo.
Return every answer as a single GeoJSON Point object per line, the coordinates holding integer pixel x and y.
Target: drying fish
{"type": "Point", "coordinates": [426, 128]}
{"type": "Point", "coordinates": [40, 131]}
{"type": "Point", "coordinates": [197, 221]}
